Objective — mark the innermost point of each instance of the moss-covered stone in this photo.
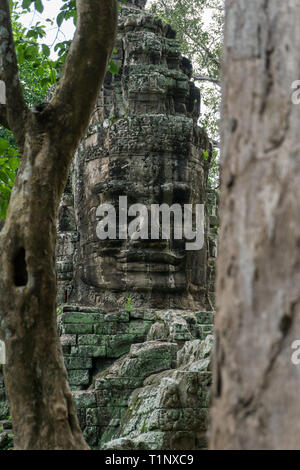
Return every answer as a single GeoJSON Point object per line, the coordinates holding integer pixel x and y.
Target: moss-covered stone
{"type": "Point", "coordinates": [94, 340]}
{"type": "Point", "coordinates": [75, 328]}
{"type": "Point", "coordinates": [119, 345]}
{"type": "Point", "coordinates": [91, 435]}
{"type": "Point", "coordinates": [81, 317]}
{"type": "Point", "coordinates": [72, 362]}
{"type": "Point", "coordinates": [111, 328]}
{"type": "Point", "coordinates": [84, 399]}
{"type": "Point", "coordinates": [92, 351]}
{"type": "Point", "coordinates": [92, 417]}
{"type": "Point", "coordinates": [117, 317]}
{"type": "Point", "coordinates": [78, 377]}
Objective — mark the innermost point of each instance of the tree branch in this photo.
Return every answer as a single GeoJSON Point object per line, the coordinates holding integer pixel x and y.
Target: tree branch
{"type": "Point", "coordinates": [205, 49]}
{"type": "Point", "coordinates": [86, 64]}
{"type": "Point", "coordinates": [16, 108]}
{"type": "Point", "coordinates": [201, 78]}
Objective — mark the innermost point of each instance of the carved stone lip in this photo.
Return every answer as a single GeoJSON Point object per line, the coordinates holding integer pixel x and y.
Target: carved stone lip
{"type": "Point", "coordinates": [159, 268]}
{"type": "Point", "coordinates": [150, 257]}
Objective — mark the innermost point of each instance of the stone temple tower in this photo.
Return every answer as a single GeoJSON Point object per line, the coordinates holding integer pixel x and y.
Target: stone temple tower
{"type": "Point", "coordinates": [144, 143]}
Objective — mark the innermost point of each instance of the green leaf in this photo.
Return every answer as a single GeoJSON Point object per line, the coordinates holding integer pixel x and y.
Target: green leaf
{"type": "Point", "coordinates": [12, 152]}
{"type": "Point", "coordinates": [20, 54]}
{"type": "Point", "coordinates": [4, 144]}
{"type": "Point", "coordinates": [4, 178]}
{"type": "Point", "coordinates": [30, 52]}
{"type": "Point", "coordinates": [14, 163]}
{"type": "Point", "coordinates": [60, 18]}
{"type": "Point", "coordinates": [39, 6]}
{"type": "Point", "coordinates": [26, 4]}
{"type": "Point", "coordinates": [45, 81]}
{"type": "Point", "coordinates": [4, 192]}
{"type": "Point", "coordinates": [11, 177]}
{"type": "Point", "coordinates": [46, 50]}
{"type": "Point", "coordinates": [3, 208]}
{"type": "Point", "coordinates": [113, 67]}
{"type": "Point", "coordinates": [53, 76]}
{"type": "Point", "coordinates": [32, 34]}
{"type": "Point", "coordinates": [75, 18]}
{"type": "Point", "coordinates": [205, 154]}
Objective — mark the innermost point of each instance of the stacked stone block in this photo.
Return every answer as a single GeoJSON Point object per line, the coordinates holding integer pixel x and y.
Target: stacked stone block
{"type": "Point", "coordinates": [92, 339]}
{"type": "Point", "coordinates": [170, 410]}
{"type": "Point", "coordinates": [109, 356]}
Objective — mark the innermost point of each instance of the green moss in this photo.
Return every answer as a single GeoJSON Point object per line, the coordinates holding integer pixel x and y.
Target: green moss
{"type": "Point", "coordinates": [144, 428]}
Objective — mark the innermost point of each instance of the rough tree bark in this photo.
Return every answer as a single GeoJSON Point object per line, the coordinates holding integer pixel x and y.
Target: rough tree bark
{"type": "Point", "coordinates": [43, 413]}
{"type": "Point", "coordinates": [256, 386]}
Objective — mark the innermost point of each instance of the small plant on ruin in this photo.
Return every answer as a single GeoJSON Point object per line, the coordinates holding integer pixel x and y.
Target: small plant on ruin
{"type": "Point", "coordinates": [128, 305]}
{"type": "Point", "coordinates": [59, 310]}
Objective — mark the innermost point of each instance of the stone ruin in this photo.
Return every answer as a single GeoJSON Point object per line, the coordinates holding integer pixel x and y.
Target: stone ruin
{"type": "Point", "coordinates": [139, 369]}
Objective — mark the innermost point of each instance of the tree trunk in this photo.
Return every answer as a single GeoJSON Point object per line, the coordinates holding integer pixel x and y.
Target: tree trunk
{"type": "Point", "coordinates": [41, 405]}
{"type": "Point", "coordinates": [35, 378]}
{"type": "Point", "coordinates": [256, 385]}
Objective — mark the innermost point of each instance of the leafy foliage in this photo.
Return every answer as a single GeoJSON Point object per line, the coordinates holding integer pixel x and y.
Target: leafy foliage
{"type": "Point", "coordinates": [9, 163]}
{"type": "Point", "coordinates": [38, 71]}
{"type": "Point", "coordinates": [128, 305]}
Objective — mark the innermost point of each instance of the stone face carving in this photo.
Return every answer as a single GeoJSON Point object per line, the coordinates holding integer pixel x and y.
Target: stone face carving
{"type": "Point", "coordinates": [143, 143]}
